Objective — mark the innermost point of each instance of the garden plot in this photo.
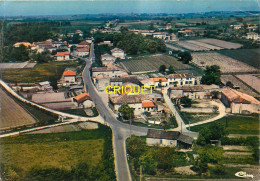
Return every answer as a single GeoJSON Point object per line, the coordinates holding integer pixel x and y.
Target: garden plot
{"type": "Point", "coordinates": [221, 43]}
{"type": "Point", "coordinates": [251, 80]}
{"type": "Point", "coordinates": [236, 82]}
{"type": "Point", "coordinates": [226, 64]}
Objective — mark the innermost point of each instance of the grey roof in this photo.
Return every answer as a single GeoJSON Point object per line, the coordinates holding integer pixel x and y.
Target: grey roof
{"type": "Point", "coordinates": [169, 135]}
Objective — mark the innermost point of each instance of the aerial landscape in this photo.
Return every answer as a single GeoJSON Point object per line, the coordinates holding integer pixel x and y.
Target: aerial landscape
{"type": "Point", "coordinates": [129, 90]}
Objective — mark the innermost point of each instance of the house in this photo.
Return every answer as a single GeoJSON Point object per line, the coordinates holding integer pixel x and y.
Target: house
{"type": "Point", "coordinates": [84, 100]}
{"type": "Point", "coordinates": [101, 81]}
{"type": "Point", "coordinates": [83, 44]}
{"type": "Point", "coordinates": [253, 36]}
{"type": "Point", "coordinates": [186, 33]}
{"type": "Point", "coordinates": [180, 79]}
{"type": "Point", "coordinates": [156, 82]}
{"type": "Point", "coordinates": [62, 56]}
{"type": "Point", "coordinates": [134, 101]}
{"type": "Point", "coordinates": [81, 52]}
{"type": "Point", "coordinates": [107, 58]}
{"type": "Point", "coordinates": [161, 35]}
{"type": "Point", "coordinates": [68, 77]}
{"type": "Point", "coordinates": [26, 44]}
{"type": "Point", "coordinates": [239, 102]}
{"type": "Point", "coordinates": [110, 71]}
{"type": "Point", "coordinates": [79, 32]}
{"type": "Point", "coordinates": [119, 81]}
{"type": "Point", "coordinates": [192, 92]}
{"type": "Point", "coordinates": [168, 138]}
{"type": "Point", "coordinates": [45, 86]}
{"type": "Point", "coordinates": [173, 37]}
{"type": "Point", "coordinates": [168, 26]}
{"type": "Point", "coordinates": [118, 53]}
{"type": "Point", "coordinates": [148, 105]}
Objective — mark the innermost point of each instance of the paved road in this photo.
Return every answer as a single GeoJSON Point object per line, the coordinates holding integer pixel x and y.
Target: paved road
{"type": "Point", "coordinates": [120, 130]}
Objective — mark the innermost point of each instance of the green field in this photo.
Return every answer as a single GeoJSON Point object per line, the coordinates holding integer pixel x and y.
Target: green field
{"type": "Point", "coordinates": [236, 124]}
{"type": "Point", "coordinates": [82, 155]}
{"type": "Point", "coordinates": [84, 25]}
{"type": "Point", "coordinates": [248, 56]}
{"type": "Point", "coordinates": [41, 72]}
{"type": "Point", "coordinates": [152, 63]}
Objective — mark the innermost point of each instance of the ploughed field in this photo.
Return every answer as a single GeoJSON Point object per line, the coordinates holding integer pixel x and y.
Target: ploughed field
{"type": "Point", "coordinates": [226, 64]}
{"type": "Point", "coordinates": [152, 64]}
{"type": "Point", "coordinates": [207, 45]}
{"type": "Point", "coordinates": [12, 114]}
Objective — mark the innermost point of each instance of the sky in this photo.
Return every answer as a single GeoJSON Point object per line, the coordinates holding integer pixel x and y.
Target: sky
{"type": "Point", "coordinates": [71, 7]}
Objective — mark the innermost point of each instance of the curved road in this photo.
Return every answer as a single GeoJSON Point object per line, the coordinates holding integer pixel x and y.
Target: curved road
{"type": "Point", "coordinates": [121, 131]}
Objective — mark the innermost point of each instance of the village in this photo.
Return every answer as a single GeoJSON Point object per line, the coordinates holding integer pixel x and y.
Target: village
{"type": "Point", "coordinates": [170, 79]}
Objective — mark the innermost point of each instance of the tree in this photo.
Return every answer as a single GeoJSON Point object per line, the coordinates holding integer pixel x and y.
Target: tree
{"type": "Point", "coordinates": [215, 109]}
{"type": "Point", "coordinates": [211, 75]}
{"type": "Point", "coordinates": [148, 163]}
{"type": "Point", "coordinates": [185, 57]}
{"type": "Point", "coordinates": [185, 101]}
{"type": "Point", "coordinates": [126, 111]}
{"type": "Point", "coordinates": [229, 84]}
{"type": "Point", "coordinates": [215, 94]}
{"type": "Point", "coordinates": [170, 70]}
{"type": "Point", "coordinates": [162, 68]}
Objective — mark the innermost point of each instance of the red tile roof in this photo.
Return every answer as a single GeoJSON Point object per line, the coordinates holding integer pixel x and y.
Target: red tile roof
{"type": "Point", "coordinates": [69, 73]}
{"type": "Point", "coordinates": [148, 104]}
{"type": "Point", "coordinates": [84, 43]}
{"type": "Point", "coordinates": [62, 53]}
{"type": "Point", "coordinates": [82, 97]}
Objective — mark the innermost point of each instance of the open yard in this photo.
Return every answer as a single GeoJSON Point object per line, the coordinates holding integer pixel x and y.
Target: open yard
{"type": "Point", "coordinates": [41, 72]}
{"type": "Point", "coordinates": [152, 63]}
{"type": "Point", "coordinates": [80, 155]}
{"type": "Point", "coordinates": [12, 114]}
{"type": "Point", "coordinates": [227, 64]}
{"type": "Point", "coordinates": [196, 117]}
{"type": "Point", "coordinates": [248, 56]}
{"type": "Point", "coordinates": [236, 124]}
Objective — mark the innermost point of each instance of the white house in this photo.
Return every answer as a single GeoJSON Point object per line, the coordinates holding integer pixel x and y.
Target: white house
{"type": "Point", "coordinates": [107, 58]}
{"type": "Point", "coordinates": [81, 52]}
{"type": "Point", "coordinates": [68, 77]}
{"type": "Point", "coordinates": [101, 81]}
{"type": "Point", "coordinates": [118, 53]}
{"type": "Point", "coordinates": [253, 36]}
{"type": "Point", "coordinates": [111, 71]}
{"type": "Point", "coordinates": [62, 56]}
{"type": "Point", "coordinates": [162, 35]}
{"type": "Point", "coordinates": [167, 138]}
{"type": "Point", "coordinates": [156, 82]}
{"type": "Point", "coordinates": [180, 79]}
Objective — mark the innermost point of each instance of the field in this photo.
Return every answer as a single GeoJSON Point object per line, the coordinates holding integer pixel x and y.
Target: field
{"type": "Point", "coordinates": [17, 65]}
{"type": "Point", "coordinates": [152, 64]}
{"type": "Point", "coordinates": [196, 117]}
{"type": "Point", "coordinates": [227, 64]}
{"type": "Point", "coordinates": [236, 124]}
{"type": "Point", "coordinates": [81, 25]}
{"type": "Point", "coordinates": [41, 72]}
{"type": "Point", "coordinates": [221, 43]}
{"type": "Point", "coordinates": [236, 82]}
{"type": "Point", "coordinates": [251, 80]}
{"type": "Point", "coordinates": [80, 155]}
{"type": "Point", "coordinates": [248, 56]}
{"type": "Point", "coordinates": [12, 114]}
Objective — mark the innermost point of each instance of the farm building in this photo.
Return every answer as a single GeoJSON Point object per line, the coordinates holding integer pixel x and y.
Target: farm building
{"type": "Point", "coordinates": [162, 35]}
{"type": "Point", "coordinates": [45, 86]}
{"type": "Point", "coordinates": [194, 92]}
{"type": "Point", "coordinates": [101, 81]}
{"type": "Point", "coordinates": [118, 53]}
{"type": "Point", "coordinates": [62, 56]}
{"type": "Point", "coordinates": [68, 77]}
{"type": "Point", "coordinates": [168, 138]}
{"type": "Point", "coordinates": [239, 102]}
{"type": "Point", "coordinates": [83, 44]}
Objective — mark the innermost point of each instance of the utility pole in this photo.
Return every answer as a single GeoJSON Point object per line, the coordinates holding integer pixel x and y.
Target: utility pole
{"type": "Point", "coordinates": [181, 127]}
{"type": "Point", "coordinates": [140, 172]}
